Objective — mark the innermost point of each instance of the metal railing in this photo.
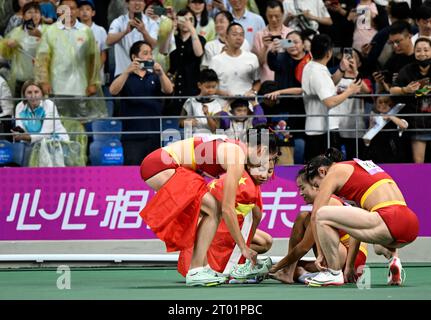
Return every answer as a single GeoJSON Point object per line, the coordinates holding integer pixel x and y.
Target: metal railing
{"type": "Point", "coordinates": [179, 133]}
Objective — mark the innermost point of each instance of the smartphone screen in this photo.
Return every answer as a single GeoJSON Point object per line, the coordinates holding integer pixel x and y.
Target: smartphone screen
{"type": "Point", "coordinates": [138, 16]}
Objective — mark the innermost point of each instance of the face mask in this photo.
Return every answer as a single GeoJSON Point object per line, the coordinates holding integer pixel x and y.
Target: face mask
{"type": "Point", "coordinates": [424, 63]}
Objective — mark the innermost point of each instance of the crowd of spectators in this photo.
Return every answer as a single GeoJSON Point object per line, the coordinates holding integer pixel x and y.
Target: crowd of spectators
{"type": "Point", "coordinates": [231, 65]}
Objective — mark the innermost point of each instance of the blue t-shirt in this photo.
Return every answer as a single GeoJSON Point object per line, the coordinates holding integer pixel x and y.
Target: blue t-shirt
{"type": "Point", "coordinates": [48, 10]}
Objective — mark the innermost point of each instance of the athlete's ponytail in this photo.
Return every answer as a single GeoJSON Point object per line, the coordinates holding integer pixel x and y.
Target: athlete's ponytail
{"type": "Point", "coordinates": [325, 160]}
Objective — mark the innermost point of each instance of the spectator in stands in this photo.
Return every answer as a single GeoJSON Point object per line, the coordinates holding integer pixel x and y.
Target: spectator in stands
{"type": "Point", "coordinates": [68, 63]}
{"type": "Point", "coordinates": [306, 15]}
{"type": "Point", "coordinates": [129, 28]}
{"type": "Point", "coordinates": [378, 50]}
{"type": "Point", "coordinates": [363, 17]}
{"type": "Point", "coordinates": [20, 47]}
{"type": "Point", "coordinates": [351, 107]}
{"type": "Point", "coordinates": [166, 29]}
{"type": "Point", "coordinates": [320, 96]}
{"type": "Point", "coordinates": [238, 70]}
{"type": "Point", "coordinates": [48, 11]}
{"type": "Point", "coordinates": [185, 59]}
{"type": "Point", "coordinates": [386, 146]}
{"type": "Point", "coordinates": [205, 24]}
{"type": "Point", "coordinates": [339, 11]}
{"type": "Point", "coordinates": [17, 19]}
{"type": "Point", "coordinates": [237, 121]}
{"type": "Point", "coordinates": [423, 21]}
{"type": "Point", "coordinates": [263, 40]}
{"type": "Point", "coordinates": [415, 78]}
{"type": "Point", "coordinates": [288, 65]}
{"type": "Point", "coordinates": [31, 125]}
{"type": "Point", "coordinates": [212, 48]}
{"type": "Point", "coordinates": [6, 109]}
{"type": "Point", "coordinates": [87, 10]}
{"type": "Point", "coordinates": [140, 80]}
{"type": "Point", "coordinates": [204, 106]}
{"type": "Point", "coordinates": [400, 39]}
{"type": "Point", "coordinates": [251, 22]}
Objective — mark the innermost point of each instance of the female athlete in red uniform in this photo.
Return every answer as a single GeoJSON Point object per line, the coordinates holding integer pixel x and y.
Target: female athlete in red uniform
{"type": "Point", "coordinates": [352, 253]}
{"type": "Point", "coordinates": [383, 217]}
{"type": "Point", "coordinates": [176, 172]}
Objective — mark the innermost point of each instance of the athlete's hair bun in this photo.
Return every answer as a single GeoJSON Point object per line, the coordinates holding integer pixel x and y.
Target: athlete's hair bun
{"type": "Point", "coordinates": [334, 155]}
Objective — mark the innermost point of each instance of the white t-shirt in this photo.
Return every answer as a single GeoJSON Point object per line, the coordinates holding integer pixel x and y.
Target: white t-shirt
{"type": "Point", "coordinates": [122, 47]}
{"type": "Point", "coordinates": [236, 74]}
{"type": "Point", "coordinates": [316, 80]}
{"type": "Point", "coordinates": [416, 37]}
{"type": "Point", "coordinates": [316, 7]}
{"type": "Point", "coordinates": [100, 35]}
{"type": "Point", "coordinates": [349, 107]}
{"type": "Point", "coordinates": [214, 47]}
{"type": "Point", "coordinates": [194, 109]}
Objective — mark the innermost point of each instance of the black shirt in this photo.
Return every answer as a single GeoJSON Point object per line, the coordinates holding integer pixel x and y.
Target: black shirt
{"type": "Point", "coordinates": [136, 86]}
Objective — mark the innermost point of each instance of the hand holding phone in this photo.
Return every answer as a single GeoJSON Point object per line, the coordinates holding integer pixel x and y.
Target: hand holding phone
{"type": "Point", "coordinates": [348, 53]}
{"type": "Point", "coordinates": [159, 11]}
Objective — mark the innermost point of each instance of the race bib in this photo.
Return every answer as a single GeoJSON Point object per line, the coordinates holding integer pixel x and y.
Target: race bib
{"type": "Point", "coordinates": [369, 166]}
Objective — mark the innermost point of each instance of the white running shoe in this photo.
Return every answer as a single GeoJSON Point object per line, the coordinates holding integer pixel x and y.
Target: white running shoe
{"type": "Point", "coordinates": [396, 273]}
{"type": "Point", "coordinates": [205, 277]}
{"type": "Point", "coordinates": [326, 278]}
{"type": "Point", "coordinates": [246, 273]}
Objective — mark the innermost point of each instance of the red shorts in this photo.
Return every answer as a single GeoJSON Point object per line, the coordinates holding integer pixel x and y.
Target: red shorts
{"type": "Point", "coordinates": [156, 162]}
{"type": "Point", "coordinates": [402, 222]}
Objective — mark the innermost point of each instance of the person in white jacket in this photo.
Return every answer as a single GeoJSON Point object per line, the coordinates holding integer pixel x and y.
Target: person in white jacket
{"type": "Point", "coordinates": [36, 118]}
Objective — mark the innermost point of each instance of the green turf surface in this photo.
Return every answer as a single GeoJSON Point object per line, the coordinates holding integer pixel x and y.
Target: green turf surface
{"type": "Point", "coordinates": [167, 284]}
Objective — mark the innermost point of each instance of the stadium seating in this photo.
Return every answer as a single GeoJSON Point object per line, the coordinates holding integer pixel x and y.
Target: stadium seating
{"type": "Point", "coordinates": [106, 153]}
{"type": "Point", "coordinates": [102, 126]}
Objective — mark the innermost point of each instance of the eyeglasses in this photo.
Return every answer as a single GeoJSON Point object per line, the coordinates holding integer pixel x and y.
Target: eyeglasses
{"type": "Point", "coordinates": [395, 43]}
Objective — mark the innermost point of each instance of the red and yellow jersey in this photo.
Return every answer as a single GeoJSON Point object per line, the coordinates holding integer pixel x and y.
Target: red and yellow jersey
{"type": "Point", "coordinates": [365, 178]}
{"type": "Point", "coordinates": [248, 194]}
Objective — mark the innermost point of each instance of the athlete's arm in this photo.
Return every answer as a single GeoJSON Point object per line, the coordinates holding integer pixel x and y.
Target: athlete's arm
{"type": "Point", "coordinates": [349, 271]}
{"type": "Point", "coordinates": [257, 217]}
{"type": "Point", "coordinates": [303, 246]}
{"type": "Point", "coordinates": [233, 160]}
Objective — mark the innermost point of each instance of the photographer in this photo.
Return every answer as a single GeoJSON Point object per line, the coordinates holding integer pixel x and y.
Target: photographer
{"type": "Point", "coordinates": [141, 78]}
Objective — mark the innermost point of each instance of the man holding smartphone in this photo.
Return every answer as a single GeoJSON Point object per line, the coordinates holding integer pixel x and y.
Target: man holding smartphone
{"type": "Point", "coordinates": [320, 96]}
{"type": "Point", "coordinates": [129, 28]}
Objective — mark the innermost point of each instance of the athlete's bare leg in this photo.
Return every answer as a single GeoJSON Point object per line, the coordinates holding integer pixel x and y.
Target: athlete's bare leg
{"type": "Point", "coordinates": [157, 181]}
{"type": "Point", "coordinates": [358, 223]}
{"type": "Point", "coordinates": [207, 228]}
{"type": "Point", "coordinates": [261, 242]}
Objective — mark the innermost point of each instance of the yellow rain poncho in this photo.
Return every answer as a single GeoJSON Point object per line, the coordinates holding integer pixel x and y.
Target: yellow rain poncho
{"type": "Point", "coordinates": [22, 56]}
{"type": "Point", "coordinates": [69, 60]}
